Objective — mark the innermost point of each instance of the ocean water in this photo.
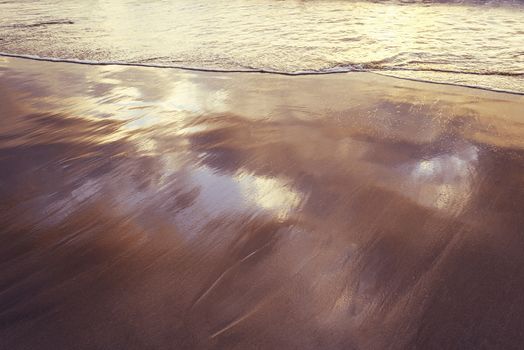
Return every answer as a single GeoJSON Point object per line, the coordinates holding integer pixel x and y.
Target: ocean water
{"type": "Point", "coordinates": [470, 43]}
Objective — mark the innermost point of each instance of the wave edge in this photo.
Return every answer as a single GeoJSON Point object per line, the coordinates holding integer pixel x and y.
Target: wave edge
{"type": "Point", "coordinates": [339, 69]}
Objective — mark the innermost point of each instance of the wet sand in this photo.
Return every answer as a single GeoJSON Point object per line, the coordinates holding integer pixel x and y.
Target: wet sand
{"type": "Point", "coordinates": [147, 208]}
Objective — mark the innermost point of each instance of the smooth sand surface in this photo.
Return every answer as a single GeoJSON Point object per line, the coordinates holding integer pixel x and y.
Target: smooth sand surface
{"type": "Point", "coordinates": [146, 208]}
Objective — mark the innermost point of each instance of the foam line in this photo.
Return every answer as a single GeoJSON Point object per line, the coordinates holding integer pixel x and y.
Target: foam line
{"type": "Point", "coordinates": [337, 70]}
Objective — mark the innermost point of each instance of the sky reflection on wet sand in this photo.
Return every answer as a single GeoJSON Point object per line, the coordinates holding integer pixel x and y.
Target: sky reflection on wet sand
{"type": "Point", "coordinates": [146, 208]}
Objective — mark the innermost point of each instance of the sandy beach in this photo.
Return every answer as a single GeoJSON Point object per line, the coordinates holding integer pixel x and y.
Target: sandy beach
{"type": "Point", "coordinates": [149, 208]}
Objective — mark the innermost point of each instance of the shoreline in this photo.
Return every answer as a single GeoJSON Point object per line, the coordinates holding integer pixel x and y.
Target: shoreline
{"type": "Point", "coordinates": [153, 208]}
{"type": "Point", "coordinates": [260, 71]}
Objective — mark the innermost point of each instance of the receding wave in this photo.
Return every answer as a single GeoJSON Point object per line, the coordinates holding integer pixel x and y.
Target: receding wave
{"type": "Point", "coordinates": [453, 42]}
{"type": "Point", "coordinates": [338, 69]}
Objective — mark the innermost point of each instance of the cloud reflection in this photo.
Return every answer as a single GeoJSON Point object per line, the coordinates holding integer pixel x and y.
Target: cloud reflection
{"type": "Point", "coordinates": [445, 180]}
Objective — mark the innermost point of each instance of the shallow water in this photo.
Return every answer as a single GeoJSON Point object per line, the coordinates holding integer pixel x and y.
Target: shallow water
{"type": "Point", "coordinates": [470, 43]}
{"type": "Point", "coordinates": [156, 209]}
